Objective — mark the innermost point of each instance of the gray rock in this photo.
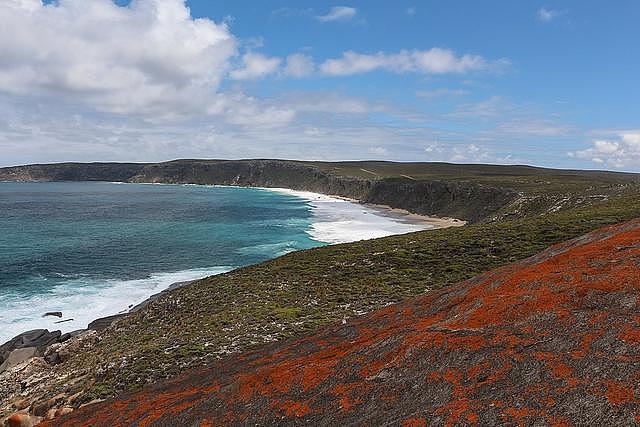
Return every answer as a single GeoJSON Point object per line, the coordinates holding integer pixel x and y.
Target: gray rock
{"type": "Point", "coordinates": [53, 313]}
{"type": "Point", "coordinates": [104, 322]}
{"type": "Point", "coordinates": [38, 338]}
{"type": "Point", "coordinates": [69, 335]}
{"type": "Point", "coordinates": [18, 356]}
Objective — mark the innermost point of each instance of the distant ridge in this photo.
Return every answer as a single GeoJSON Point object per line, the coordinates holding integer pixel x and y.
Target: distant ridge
{"type": "Point", "coordinates": [469, 192]}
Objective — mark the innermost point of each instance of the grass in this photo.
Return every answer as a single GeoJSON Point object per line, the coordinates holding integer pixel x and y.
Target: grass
{"type": "Point", "coordinates": [303, 291]}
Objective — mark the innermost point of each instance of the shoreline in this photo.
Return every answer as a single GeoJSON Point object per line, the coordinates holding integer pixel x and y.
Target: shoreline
{"type": "Point", "coordinates": [413, 222]}
{"type": "Point", "coordinates": [432, 223]}
{"type": "Point", "coordinates": [383, 210]}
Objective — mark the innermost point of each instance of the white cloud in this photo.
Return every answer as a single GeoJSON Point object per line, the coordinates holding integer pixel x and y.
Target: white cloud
{"type": "Point", "coordinates": [490, 108]}
{"type": "Point", "coordinates": [256, 65]}
{"type": "Point", "coordinates": [379, 151]}
{"type": "Point", "coordinates": [330, 103]}
{"type": "Point", "coordinates": [621, 151]}
{"type": "Point", "coordinates": [150, 57]}
{"type": "Point", "coordinates": [299, 65]}
{"type": "Point", "coordinates": [530, 126]}
{"type": "Point", "coordinates": [338, 13]}
{"type": "Point", "coordinates": [439, 151]}
{"type": "Point", "coordinates": [547, 15]}
{"type": "Point", "coordinates": [411, 11]}
{"type": "Point", "coordinates": [90, 80]}
{"type": "Point", "coordinates": [433, 61]}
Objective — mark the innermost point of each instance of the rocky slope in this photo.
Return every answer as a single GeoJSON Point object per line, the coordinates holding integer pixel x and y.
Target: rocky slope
{"type": "Point", "coordinates": [552, 340]}
{"type": "Point", "coordinates": [197, 325]}
{"type": "Point", "coordinates": [468, 192]}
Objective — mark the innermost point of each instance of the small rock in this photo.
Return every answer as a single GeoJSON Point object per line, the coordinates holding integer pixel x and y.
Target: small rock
{"type": "Point", "coordinates": [63, 411]}
{"type": "Point", "coordinates": [51, 355]}
{"type": "Point", "coordinates": [42, 408]}
{"type": "Point", "coordinates": [53, 313]}
{"type": "Point", "coordinates": [104, 322]}
{"type": "Point", "coordinates": [92, 402]}
{"type": "Point", "coordinates": [21, 404]}
{"type": "Point", "coordinates": [51, 414]}
{"type": "Point", "coordinates": [73, 398]}
{"type": "Point", "coordinates": [21, 419]}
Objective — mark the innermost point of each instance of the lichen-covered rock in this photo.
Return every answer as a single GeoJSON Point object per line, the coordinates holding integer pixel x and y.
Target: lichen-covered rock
{"type": "Point", "coordinates": [552, 340]}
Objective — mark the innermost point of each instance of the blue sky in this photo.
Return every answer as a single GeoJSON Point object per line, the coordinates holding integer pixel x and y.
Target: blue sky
{"type": "Point", "coordinates": [544, 83]}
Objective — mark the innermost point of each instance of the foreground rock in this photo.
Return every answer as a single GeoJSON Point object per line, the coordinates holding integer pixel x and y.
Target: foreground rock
{"type": "Point", "coordinates": [18, 356]}
{"type": "Point", "coordinates": [553, 340]}
{"type": "Point", "coordinates": [26, 383]}
{"type": "Point", "coordinates": [37, 340]}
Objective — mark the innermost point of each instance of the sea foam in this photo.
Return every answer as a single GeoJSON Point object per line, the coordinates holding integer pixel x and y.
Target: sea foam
{"type": "Point", "coordinates": [334, 220]}
{"type": "Point", "coordinates": [341, 221]}
{"type": "Point", "coordinates": [85, 300]}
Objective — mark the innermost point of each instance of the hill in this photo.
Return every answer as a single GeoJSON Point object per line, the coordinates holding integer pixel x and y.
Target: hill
{"type": "Point", "coordinates": [199, 324]}
{"type": "Point", "coordinates": [553, 339]}
{"type": "Point", "coordinates": [468, 192]}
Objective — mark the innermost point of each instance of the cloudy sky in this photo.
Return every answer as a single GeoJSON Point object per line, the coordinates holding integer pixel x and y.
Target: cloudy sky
{"type": "Point", "coordinates": [550, 84]}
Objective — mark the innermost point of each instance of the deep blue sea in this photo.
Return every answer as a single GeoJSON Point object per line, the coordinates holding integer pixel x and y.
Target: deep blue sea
{"type": "Point", "coordinates": [92, 249]}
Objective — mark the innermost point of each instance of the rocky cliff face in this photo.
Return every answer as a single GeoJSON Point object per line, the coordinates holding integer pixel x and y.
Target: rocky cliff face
{"type": "Point", "coordinates": [552, 340]}
{"type": "Point", "coordinates": [117, 172]}
{"type": "Point", "coordinates": [463, 200]}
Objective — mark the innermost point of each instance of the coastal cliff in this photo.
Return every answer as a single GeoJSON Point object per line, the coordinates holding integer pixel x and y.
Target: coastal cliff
{"type": "Point", "coordinates": [469, 192]}
{"type": "Point", "coordinates": [205, 322]}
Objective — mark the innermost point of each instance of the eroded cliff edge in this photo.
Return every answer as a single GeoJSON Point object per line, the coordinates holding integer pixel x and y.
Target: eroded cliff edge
{"type": "Point", "coordinates": [469, 201]}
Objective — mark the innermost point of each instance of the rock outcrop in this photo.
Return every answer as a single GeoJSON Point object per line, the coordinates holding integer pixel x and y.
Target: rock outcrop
{"type": "Point", "coordinates": [26, 345]}
{"type": "Point", "coordinates": [552, 340]}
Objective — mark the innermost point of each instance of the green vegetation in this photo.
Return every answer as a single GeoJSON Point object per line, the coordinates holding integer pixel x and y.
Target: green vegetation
{"type": "Point", "coordinates": [516, 211]}
{"type": "Point", "coordinates": [532, 180]}
{"type": "Point", "coordinates": [303, 291]}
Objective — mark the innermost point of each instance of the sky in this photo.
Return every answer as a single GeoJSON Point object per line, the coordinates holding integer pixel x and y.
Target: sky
{"type": "Point", "coordinates": [467, 81]}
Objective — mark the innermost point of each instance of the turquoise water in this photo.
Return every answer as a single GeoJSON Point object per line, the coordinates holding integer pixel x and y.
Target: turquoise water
{"type": "Point", "coordinates": [93, 249]}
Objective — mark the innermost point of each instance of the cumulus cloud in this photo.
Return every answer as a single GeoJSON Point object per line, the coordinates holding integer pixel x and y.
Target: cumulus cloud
{"type": "Point", "coordinates": [547, 15]}
{"type": "Point", "coordinates": [472, 153]}
{"type": "Point", "coordinates": [433, 61]}
{"type": "Point", "coordinates": [150, 57]}
{"type": "Point", "coordinates": [256, 65]}
{"type": "Point", "coordinates": [338, 13]}
{"type": "Point", "coordinates": [92, 80]}
{"type": "Point", "coordinates": [621, 151]}
{"type": "Point", "coordinates": [299, 65]}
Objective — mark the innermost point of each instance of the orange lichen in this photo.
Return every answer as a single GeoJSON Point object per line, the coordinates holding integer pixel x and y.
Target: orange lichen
{"type": "Point", "coordinates": [294, 409]}
{"type": "Point", "coordinates": [619, 393]}
{"type": "Point", "coordinates": [630, 334]}
{"type": "Point", "coordinates": [512, 343]}
{"type": "Point", "coordinates": [414, 422]}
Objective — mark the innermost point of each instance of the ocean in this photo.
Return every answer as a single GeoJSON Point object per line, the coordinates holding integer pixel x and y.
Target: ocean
{"type": "Point", "coordinates": [93, 249]}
